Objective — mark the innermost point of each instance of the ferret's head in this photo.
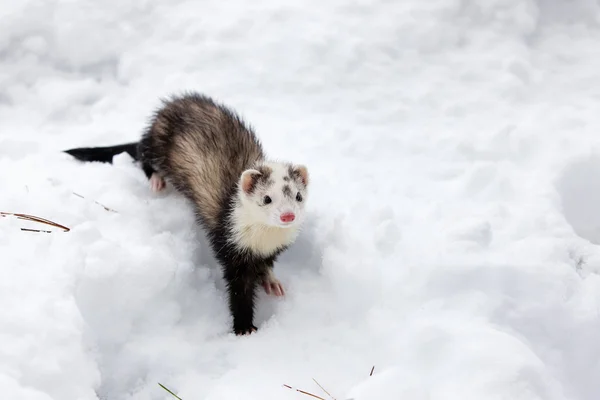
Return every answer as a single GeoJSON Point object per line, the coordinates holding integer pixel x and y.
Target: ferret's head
{"type": "Point", "coordinates": [274, 194]}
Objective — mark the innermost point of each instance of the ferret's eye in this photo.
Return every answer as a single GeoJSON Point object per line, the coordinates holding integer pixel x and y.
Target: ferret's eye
{"type": "Point", "coordinates": [267, 199]}
{"type": "Point", "coordinates": [298, 197]}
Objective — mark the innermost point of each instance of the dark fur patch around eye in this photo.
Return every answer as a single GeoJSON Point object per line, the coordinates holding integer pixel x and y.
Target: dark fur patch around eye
{"type": "Point", "coordinates": [286, 178]}
{"type": "Point", "coordinates": [287, 191]}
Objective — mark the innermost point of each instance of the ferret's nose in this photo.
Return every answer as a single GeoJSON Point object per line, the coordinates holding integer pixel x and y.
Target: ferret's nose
{"type": "Point", "coordinates": [287, 217]}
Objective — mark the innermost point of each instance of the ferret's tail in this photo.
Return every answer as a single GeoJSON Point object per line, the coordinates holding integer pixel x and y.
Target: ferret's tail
{"type": "Point", "coordinates": [104, 154]}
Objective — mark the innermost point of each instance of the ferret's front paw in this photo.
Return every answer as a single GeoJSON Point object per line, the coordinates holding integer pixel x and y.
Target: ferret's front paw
{"type": "Point", "coordinates": [273, 287]}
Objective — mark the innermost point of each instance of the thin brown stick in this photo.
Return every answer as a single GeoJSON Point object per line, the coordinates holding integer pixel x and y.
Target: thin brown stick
{"type": "Point", "coordinates": [328, 394]}
{"type": "Point", "coordinates": [372, 369]}
{"type": "Point", "coordinates": [101, 205]}
{"type": "Point", "coordinates": [35, 219]}
{"type": "Point", "coordinates": [303, 392]}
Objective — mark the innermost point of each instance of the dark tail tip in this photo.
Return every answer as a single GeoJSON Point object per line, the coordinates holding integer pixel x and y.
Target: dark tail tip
{"type": "Point", "coordinates": [90, 154]}
{"type": "Point", "coordinates": [103, 154]}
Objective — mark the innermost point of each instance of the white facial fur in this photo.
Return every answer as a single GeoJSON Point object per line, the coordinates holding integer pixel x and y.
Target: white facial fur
{"type": "Point", "coordinates": [275, 196]}
{"type": "Point", "coordinates": [265, 195]}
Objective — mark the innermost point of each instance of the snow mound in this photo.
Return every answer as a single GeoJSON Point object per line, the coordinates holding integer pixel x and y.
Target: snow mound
{"type": "Point", "coordinates": [580, 193]}
{"type": "Point", "coordinates": [453, 232]}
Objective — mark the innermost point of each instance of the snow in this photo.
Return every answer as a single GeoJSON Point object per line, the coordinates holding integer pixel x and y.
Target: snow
{"type": "Point", "coordinates": [453, 234]}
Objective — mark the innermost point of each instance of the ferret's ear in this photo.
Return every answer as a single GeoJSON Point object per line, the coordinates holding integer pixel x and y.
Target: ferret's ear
{"type": "Point", "coordinates": [301, 172]}
{"type": "Point", "coordinates": [248, 180]}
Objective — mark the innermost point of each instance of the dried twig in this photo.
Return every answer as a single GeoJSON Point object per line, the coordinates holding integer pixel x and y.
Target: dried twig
{"type": "Point", "coordinates": [303, 392]}
{"type": "Point", "coordinates": [101, 205]}
{"type": "Point", "coordinates": [35, 219]}
{"type": "Point", "coordinates": [328, 394]}
{"type": "Point", "coordinates": [174, 395]}
{"type": "Point", "coordinates": [372, 369]}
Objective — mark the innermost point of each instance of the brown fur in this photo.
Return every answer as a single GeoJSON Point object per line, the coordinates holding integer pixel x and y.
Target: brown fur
{"type": "Point", "coordinates": [190, 140]}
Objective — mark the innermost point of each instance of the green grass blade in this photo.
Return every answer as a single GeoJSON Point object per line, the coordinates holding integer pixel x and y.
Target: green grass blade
{"type": "Point", "coordinates": [174, 395]}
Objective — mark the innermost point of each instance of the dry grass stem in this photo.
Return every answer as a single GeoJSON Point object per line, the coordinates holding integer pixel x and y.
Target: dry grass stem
{"type": "Point", "coordinates": [304, 392]}
{"type": "Point", "coordinates": [314, 395]}
{"type": "Point", "coordinates": [326, 392]}
{"type": "Point", "coordinates": [101, 205]}
{"type": "Point", "coordinates": [35, 230]}
{"type": "Point", "coordinates": [35, 219]}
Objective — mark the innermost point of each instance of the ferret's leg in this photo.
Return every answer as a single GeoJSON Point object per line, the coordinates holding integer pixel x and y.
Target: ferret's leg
{"type": "Point", "coordinates": [146, 155]}
{"type": "Point", "coordinates": [157, 180]}
{"type": "Point", "coordinates": [148, 169]}
{"type": "Point", "coordinates": [271, 284]}
{"type": "Point", "coordinates": [241, 286]}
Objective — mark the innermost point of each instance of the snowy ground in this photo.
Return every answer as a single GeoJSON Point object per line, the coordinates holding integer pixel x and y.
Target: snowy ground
{"type": "Point", "coordinates": [454, 231]}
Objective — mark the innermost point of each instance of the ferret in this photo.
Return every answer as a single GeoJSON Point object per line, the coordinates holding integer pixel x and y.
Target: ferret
{"type": "Point", "coordinates": [250, 207]}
